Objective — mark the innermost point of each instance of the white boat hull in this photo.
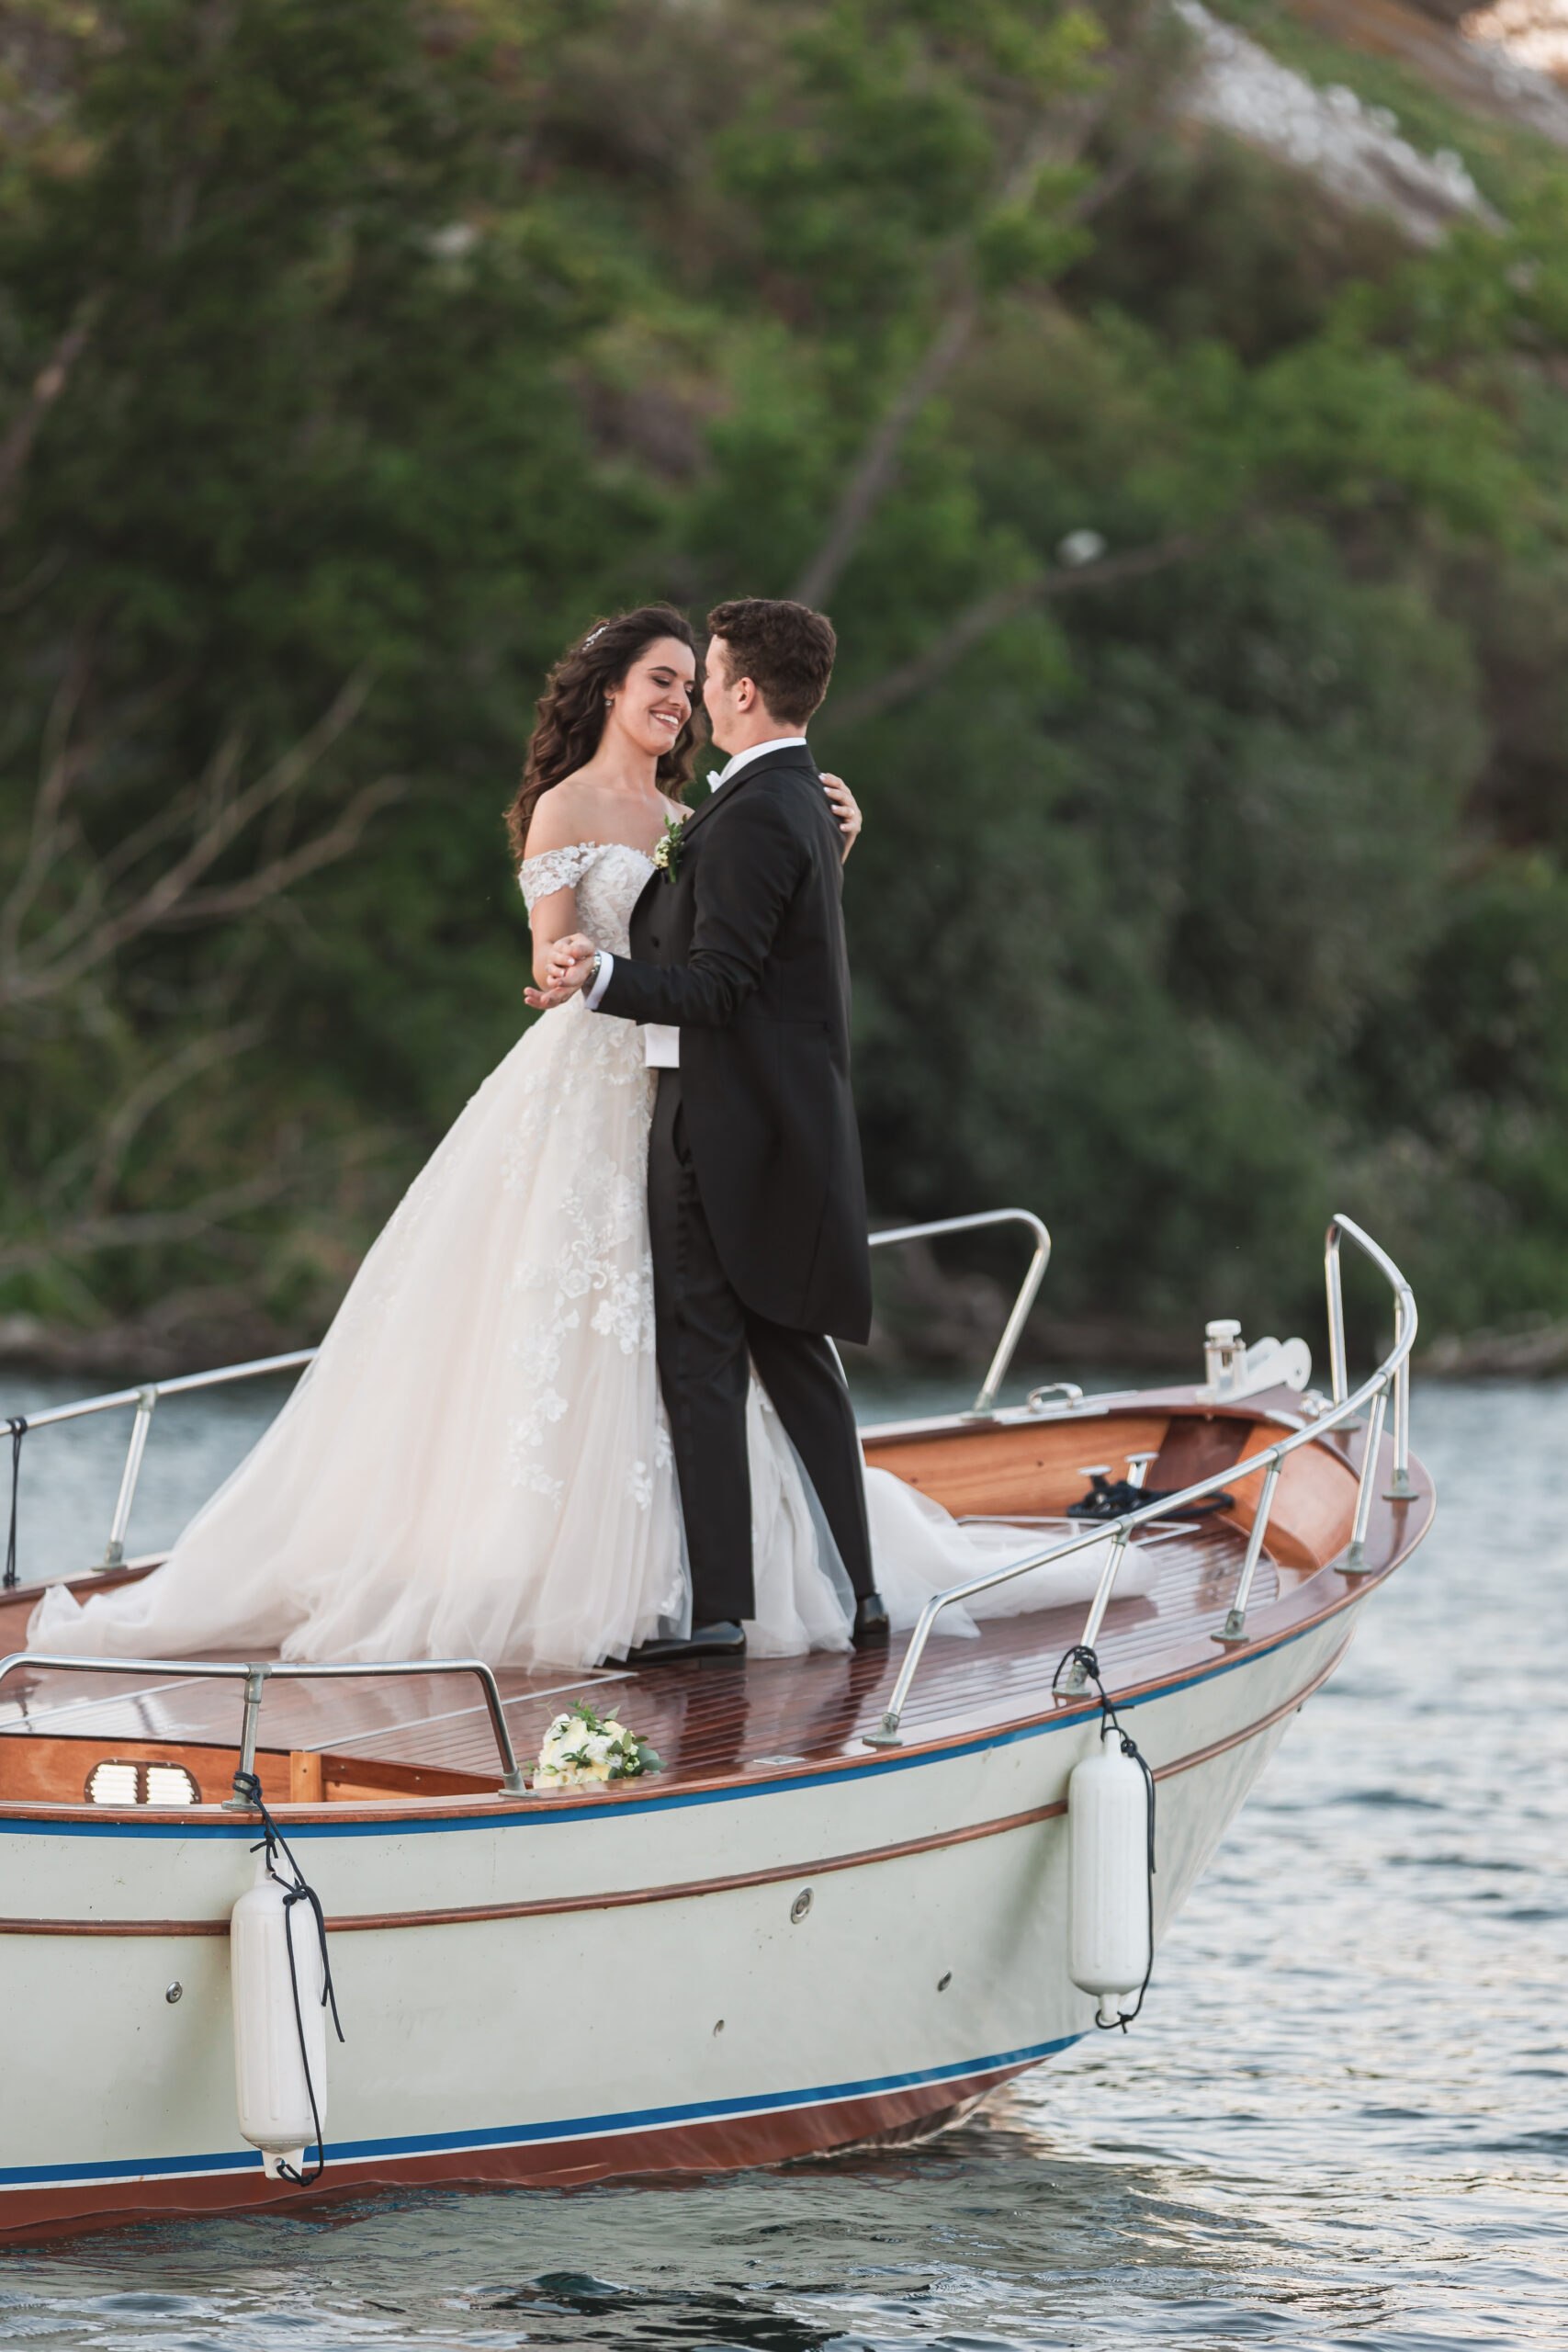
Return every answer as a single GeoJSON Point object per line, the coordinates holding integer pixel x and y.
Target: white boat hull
{"type": "Point", "coordinates": [562, 1992]}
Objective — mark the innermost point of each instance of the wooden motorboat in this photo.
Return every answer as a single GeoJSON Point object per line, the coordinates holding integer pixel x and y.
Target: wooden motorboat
{"type": "Point", "coordinates": [839, 1913]}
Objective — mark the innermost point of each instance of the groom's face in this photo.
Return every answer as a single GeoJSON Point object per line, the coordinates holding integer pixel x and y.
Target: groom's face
{"type": "Point", "coordinates": [727, 701]}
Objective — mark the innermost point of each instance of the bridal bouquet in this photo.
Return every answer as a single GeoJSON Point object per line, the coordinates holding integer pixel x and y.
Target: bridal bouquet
{"type": "Point", "coordinates": [581, 1746]}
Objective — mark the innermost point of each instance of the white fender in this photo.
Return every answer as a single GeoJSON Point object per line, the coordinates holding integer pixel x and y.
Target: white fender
{"type": "Point", "coordinates": [270, 2088]}
{"type": "Point", "coordinates": [1107, 1849]}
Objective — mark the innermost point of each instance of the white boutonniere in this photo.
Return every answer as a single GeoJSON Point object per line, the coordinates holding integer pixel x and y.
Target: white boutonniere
{"type": "Point", "coordinates": [667, 850]}
{"type": "Point", "coordinates": [581, 1746]}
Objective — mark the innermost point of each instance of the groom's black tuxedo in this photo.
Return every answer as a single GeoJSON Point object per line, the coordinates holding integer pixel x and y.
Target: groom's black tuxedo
{"type": "Point", "coordinates": [756, 1196]}
{"type": "Point", "coordinates": [744, 950]}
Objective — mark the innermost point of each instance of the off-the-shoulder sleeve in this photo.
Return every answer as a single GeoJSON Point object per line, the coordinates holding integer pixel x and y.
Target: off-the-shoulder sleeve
{"type": "Point", "coordinates": [558, 869]}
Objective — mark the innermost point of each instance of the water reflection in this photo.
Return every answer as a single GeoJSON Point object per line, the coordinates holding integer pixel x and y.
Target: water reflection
{"type": "Point", "coordinates": [1339, 2121]}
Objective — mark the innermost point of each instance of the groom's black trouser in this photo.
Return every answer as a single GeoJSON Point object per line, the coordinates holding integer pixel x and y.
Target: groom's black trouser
{"type": "Point", "coordinates": [704, 1336]}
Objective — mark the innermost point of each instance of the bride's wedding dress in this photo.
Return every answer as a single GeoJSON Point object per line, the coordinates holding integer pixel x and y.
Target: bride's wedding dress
{"type": "Point", "coordinates": [477, 1464]}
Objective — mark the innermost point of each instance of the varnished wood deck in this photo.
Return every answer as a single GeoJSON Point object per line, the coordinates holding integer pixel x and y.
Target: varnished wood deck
{"type": "Point", "coordinates": [715, 1722]}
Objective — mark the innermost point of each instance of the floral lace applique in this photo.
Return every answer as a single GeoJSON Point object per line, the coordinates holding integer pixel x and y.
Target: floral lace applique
{"type": "Point", "coordinates": [556, 869]}
{"type": "Point", "coordinates": [532, 1479]}
{"type": "Point", "coordinates": [639, 1485]}
{"type": "Point", "coordinates": [612, 876]}
{"type": "Point", "coordinates": [626, 1315]}
{"type": "Point", "coordinates": [643, 1478]}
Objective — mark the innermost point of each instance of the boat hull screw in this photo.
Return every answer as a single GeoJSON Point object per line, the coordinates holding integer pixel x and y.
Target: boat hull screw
{"type": "Point", "coordinates": [800, 1906]}
{"type": "Point", "coordinates": [175, 1992]}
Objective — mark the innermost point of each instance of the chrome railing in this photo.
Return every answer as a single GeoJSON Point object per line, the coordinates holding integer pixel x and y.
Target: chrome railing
{"type": "Point", "coordinates": [990, 1387]}
{"type": "Point", "coordinates": [1391, 1376]}
{"type": "Point", "coordinates": [1403, 1304]}
{"type": "Point", "coordinates": [145, 1397]}
{"type": "Point", "coordinates": [255, 1678]}
{"type": "Point", "coordinates": [1372, 1392]}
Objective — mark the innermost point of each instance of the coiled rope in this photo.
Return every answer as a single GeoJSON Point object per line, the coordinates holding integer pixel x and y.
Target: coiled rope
{"type": "Point", "coordinates": [1081, 1654]}
{"type": "Point", "coordinates": [295, 1890]}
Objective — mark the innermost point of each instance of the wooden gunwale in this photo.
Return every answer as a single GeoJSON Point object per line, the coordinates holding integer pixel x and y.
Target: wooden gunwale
{"type": "Point", "coordinates": [688, 1890]}
{"type": "Point", "coordinates": [1395, 1521]}
{"type": "Point", "coordinates": [1267, 1404]}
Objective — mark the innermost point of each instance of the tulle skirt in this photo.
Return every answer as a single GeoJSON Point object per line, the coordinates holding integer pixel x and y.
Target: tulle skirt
{"type": "Point", "coordinates": [477, 1464]}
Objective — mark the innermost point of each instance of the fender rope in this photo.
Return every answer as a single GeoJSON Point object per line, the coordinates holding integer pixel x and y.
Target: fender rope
{"type": "Point", "coordinates": [1082, 1655]}
{"type": "Point", "coordinates": [248, 1785]}
{"type": "Point", "coordinates": [17, 1425]}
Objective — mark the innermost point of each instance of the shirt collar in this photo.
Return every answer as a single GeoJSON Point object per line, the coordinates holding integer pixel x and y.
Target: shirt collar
{"type": "Point", "coordinates": [739, 760]}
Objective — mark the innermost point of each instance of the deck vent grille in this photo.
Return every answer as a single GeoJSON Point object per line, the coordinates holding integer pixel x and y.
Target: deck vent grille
{"type": "Point", "coordinates": [117, 1780]}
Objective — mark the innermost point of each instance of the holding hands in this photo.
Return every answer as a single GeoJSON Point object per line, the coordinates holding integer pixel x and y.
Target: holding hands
{"type": "Point", "coordinates": [568, 966]}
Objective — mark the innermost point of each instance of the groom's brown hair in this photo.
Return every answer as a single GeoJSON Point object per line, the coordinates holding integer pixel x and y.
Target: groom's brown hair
{"type": "Point", "coordinates": [784, 649]}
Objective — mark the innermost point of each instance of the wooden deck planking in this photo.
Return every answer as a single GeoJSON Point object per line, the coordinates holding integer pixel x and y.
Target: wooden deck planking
{"type": "Point", "coordinates": [707, 1723]}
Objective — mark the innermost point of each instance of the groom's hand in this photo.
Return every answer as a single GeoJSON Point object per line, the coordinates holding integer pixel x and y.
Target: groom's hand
{"type": "Point", "coordinates": [569, 962]}
{"type": "Point", "coordinates": [564, 968]}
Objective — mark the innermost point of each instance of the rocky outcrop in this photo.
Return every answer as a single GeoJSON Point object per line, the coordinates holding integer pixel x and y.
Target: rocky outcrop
{"type": "Point", "coordinates": [1473, 67]}
{"type": "Point", "coordinates": [1533, 33]}
{"type": "Point", "coordinates": [1354, 152]}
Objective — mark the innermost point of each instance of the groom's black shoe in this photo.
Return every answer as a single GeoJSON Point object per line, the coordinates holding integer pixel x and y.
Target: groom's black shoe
{"type": "Point", "coordinates": [871, 1626]}
{"type": "Point", "coordinates": [727, 1639]}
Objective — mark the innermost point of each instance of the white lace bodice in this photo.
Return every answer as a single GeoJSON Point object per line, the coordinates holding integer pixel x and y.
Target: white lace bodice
{"type": "Point", "coordinates": [608, 877]}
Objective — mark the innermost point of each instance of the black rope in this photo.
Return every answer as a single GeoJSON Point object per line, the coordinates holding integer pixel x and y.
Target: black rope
{"type": "Point", "coordinates": [248, 1786]}
{"type": "Point", "coordinates": [17, 1425]}
{"type": "Point", "coordinates": [1113, 1498]}
{"type": "Point", "coordinates": [1082, 1655]}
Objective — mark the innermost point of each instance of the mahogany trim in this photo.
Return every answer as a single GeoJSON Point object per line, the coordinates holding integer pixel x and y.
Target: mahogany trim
{"type": "Point", "coordinates": [726, 2141]}
{"type": "Point", "coordinates": [85, 1581]}
{"type": "Point", "coordinates": [1398, 1528]}
{"type": "Point", "coordinates": [434, 1809]}
{"type": "Point", "coordinates": [687, 1890]}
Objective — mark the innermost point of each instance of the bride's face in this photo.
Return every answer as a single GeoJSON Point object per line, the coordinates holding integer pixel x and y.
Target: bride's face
{"type": "Point", "coordinates": [653, 701]}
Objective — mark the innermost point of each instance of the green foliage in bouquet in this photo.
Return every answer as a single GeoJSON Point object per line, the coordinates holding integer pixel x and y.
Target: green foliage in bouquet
{"type": "Point", "coordinates": [582, 1746]}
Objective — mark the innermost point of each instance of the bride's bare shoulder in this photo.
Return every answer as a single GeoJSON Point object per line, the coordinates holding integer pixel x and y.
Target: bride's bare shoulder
{"type": "Point", "coordinates": [562, 817]}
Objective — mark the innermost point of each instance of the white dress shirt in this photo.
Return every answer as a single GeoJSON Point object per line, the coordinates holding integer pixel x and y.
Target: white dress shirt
{"type": "Point", "coordinates": [660, 1041]}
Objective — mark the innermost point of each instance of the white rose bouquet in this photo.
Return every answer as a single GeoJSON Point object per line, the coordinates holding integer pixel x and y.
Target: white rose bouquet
{"type": "Point", "coordinates": [581, 1746]}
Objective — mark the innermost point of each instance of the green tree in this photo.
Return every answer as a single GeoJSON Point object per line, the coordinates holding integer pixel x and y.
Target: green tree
{"type": "Point", "coordinates": [1196, 551]}
{"type": "Point", "coordinates": [285, 548]}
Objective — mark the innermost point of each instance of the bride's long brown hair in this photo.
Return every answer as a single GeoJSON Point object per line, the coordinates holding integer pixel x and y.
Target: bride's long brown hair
{"type": "Point", "coordinates": [570, 711]}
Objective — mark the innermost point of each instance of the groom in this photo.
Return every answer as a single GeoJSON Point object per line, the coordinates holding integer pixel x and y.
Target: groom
{"type": "Point", "coordinates": [756, 1200]}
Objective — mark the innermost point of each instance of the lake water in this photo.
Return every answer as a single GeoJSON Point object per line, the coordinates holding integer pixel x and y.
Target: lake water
{"type": "Point", "coordinates": [1342, 2118]}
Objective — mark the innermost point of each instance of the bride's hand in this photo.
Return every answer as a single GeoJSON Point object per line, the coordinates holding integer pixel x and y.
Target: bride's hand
{"type": "Point", "coordinates": [570, 961]}
{"type": "Point", "coordinates": [561, 971]}
{"type": "Point", "coordinates": [845, 806]}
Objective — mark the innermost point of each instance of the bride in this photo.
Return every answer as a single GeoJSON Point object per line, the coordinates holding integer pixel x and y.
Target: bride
{"type": "Point", "coordinates": [477, 1463]}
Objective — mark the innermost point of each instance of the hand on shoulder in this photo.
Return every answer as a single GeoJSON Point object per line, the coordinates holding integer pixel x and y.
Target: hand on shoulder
{"type": "Point", "coordinates": [845, 807]}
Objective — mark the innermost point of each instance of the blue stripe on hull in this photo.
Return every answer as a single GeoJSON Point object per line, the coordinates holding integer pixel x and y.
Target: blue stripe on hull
{"type": "Point", "coordinates": [582, 2127]}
